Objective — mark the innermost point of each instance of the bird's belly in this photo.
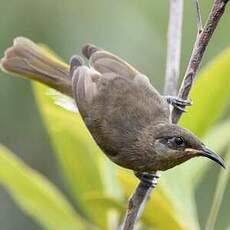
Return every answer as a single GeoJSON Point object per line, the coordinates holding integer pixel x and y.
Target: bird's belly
{"type": "Point", "coordinates": [116, 148]}
{"type": "Point", "coordinates": [118, 143]}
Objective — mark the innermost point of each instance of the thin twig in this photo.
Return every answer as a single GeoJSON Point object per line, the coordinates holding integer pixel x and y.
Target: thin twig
{"type": "Point", "coordinates": [198, 52]}
{"type": "Point", "coordinates": [136, 205]}
{"type": "Point", "coordinates": [198, 17]}
{"type": "Point", "coordinates": [222, 182]}
{"type": "Point", "coordinates": [174, 47]}
{"type": "Point", "coordinates": [141, 194]}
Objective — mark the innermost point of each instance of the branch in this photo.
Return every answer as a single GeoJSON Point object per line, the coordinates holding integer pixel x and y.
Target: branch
{"type": "Point", "coordinates": [198, 17]}
{"type": "Point", "coordinates": [199, 48]}
{"type": "Point", "coordinates": [174, 47]}
{"type": "Point", "coordinates": [136, 204]}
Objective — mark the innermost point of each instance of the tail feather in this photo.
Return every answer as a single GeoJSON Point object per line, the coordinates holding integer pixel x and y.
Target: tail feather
{"type": "Point", "coordinates": [28, 60]}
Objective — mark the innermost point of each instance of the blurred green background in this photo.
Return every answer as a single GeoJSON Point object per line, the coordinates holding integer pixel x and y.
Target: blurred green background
{"type": "Point", "coordinates": [135, 30]}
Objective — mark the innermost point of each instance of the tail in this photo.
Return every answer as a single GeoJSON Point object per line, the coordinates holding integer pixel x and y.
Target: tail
{"type": "Point", "coordinates": [31, 61]}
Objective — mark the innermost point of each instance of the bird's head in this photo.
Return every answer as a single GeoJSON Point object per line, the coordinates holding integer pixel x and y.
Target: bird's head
{"type": "Point", "coordinates": [176, 145]}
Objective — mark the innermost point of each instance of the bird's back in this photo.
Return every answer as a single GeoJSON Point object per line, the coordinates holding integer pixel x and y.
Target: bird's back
{"type": "Point", "coordinates": [121, 110]}
{"type": "Point", "coordinates": [115, 100]}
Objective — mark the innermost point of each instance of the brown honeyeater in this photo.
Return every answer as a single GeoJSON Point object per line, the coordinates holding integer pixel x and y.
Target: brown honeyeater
{"type": "Point", "coordinates": [127, 117]}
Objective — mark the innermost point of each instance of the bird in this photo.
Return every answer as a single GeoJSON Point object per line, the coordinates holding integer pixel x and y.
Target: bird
{"type": "Point", "coordinates": [125, 114]}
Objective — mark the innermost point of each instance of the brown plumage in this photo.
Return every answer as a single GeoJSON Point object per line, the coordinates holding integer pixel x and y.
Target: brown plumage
{"type": "Point", "coordinates": [125, 114]}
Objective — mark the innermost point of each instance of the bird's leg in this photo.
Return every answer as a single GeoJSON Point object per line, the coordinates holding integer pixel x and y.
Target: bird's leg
{"type": "Point", "coordinates": [178, 102]}
{"type": "Point", "coordinates": [148, 179]}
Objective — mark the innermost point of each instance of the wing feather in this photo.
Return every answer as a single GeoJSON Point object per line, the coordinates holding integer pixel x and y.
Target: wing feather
{"type": "Point", "coordinates": [106, 62]}
{"type": "Point", "coordinates": [110, 85]}
{"type": "Point", "coordinates": [84, 87]}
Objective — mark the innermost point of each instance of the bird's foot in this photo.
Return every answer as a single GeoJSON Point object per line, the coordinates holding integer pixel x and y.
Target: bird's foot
{"type": "Point", "coordinates": [148, 179]}
{"type": "Point", "coordinates": [178, 102]}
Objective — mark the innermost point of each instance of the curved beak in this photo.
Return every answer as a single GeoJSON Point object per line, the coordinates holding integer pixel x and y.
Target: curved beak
{"type": "Point", "coordinates": [211, 155]}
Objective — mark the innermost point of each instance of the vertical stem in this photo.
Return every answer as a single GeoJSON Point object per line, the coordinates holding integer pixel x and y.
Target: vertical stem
{"type": "Point", "coordinates": [222, 182]}
{"type": "Point", "coordinates": [198, 17]}
{"type": "Point", "coordinates": [173, 47]}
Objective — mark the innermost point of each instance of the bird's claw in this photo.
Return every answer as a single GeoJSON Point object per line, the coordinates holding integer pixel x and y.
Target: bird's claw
{"type": "Point", "coordinates": [178, 102]}
{"type": "Point", "coordinates": [148, 179]}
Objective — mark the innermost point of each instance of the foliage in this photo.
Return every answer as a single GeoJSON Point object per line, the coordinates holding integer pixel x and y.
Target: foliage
{"type": "Point", "coordinates": [36, 195]}
{"type": "Point", "coordinates": [98, 187]}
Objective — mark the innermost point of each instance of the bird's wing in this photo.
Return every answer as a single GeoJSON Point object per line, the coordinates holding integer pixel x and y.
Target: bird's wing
{"type": "Point", "coordinates": [110, 85]}
{"type": "Point", "coordinates": [105, 62]}
{"type": "Point", "coordinates": [84, 87]}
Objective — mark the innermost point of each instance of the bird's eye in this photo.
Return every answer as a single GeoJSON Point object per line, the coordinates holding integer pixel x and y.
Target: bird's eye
{"type": "Point", "coordinates": [179, 141]}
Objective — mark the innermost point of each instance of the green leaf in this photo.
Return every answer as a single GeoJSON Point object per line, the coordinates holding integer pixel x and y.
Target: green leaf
{"type": "Point", "coordinates": [108, 174]}
{"type": "Point", "coordinates": [113, 207]}
{"type": "Point", "coordinates": [106, 202]}
{"type": "Point", "coordinates": [180, 189]}
{"type": "Point", "coordinates": [217, 139]}
{"type": "Point", "coordinates": [219, 193]}
{"type": "Point", "coordinates": [210, 95]}
{"type": "Point", "coordinates": [159, 211]}
{"type": "Point", "coordinates": [36, 195]}
{"type": "Point", "coordinates": [75, 149]}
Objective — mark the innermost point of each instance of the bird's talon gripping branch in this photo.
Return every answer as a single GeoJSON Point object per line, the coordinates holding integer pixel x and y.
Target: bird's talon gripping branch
{"type": "Point", "coordinates": [178, 102]}
{"type": "Point", "coordinates": [180, 107]}
{"type": "Point", "coordinates": [148, 179]}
